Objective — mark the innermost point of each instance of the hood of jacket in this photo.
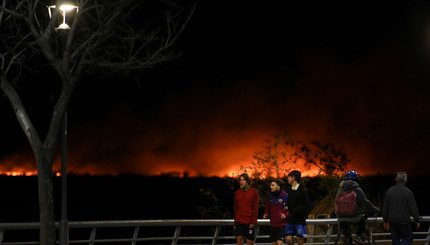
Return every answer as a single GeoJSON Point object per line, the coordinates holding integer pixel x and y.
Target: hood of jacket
{"type": "Point", "coordinates": [348, 185]}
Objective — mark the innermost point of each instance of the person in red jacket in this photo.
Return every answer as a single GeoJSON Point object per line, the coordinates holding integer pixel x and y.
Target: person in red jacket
{"type": "Point", "coordinates": [245, 211]}
{"type": "Point", "coordinates": [276, 201]}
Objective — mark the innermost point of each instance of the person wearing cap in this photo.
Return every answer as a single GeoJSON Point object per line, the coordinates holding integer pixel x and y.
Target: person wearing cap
{"type": "Point", "coordinates": [245, 211]}
{"type": "Point", "coordinates": [362, 204]}
{"type": "Point", "coordinates": [399, 207]}
{"type": "Point", "coordinates": [298, 206]}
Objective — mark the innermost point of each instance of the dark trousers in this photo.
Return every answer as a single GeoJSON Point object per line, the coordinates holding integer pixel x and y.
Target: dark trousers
{"type": "Point", "coordinates": [401, 233]}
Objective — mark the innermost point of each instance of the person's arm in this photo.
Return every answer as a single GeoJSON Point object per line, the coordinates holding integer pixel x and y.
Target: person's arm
{"type": "Point", "coordinates": [385, 207]}
{"type": "Point", "coordinates": [234, 211]}
{"type": "Point", "coordinates": [413, 209]}
{"type": "Point", "coordinates": [365, 203]}
{"type": "Point", "coordinates": [267, 209]}
{"type": "Point", "coordinates": [385, 211]}
{"type": "Point", "coordinates": [284, 213]}
{"type": "Point", "coordinates": [255, 200]}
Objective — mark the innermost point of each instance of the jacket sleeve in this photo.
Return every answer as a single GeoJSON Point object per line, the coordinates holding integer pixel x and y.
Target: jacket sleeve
{"type": "Point", "coordinates": [235, 208]}
{"type": "Point", "coordinates": [385, 207]}
{"type": "Point", "coordinates": [255, 201]}
{"type": "Point", "coordinates": [365, 203]}
{"type": "Point", "coordinates": [267, 207]}
{"type": "Point", "coordinates": [412, 206]}
{"type": "Point", "coordinates": [285, 203]}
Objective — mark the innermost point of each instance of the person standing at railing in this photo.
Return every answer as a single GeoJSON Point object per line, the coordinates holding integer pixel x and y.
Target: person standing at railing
{"type": "Point", "coordinates": [399, 207]}
{"type": "Point", "coordinates": [245, 211]}
{"type": "Point", "coordinates": [298, 207]}
{"type": "Point", "coordinates": [276, 200]}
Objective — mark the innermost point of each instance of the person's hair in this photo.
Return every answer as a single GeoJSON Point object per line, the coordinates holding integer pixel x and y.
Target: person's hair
{"type": "Point", "coordinates": [296, 174]}
{"type": "Point", "coordinates": [277, 181]}
{"type": "Point", "coordinates": [401, 177]}
{"type": "Point", "coordinates": [246, 177]}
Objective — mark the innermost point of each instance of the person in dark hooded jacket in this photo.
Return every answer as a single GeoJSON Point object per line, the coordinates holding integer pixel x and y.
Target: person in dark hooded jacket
{"type": "Point", "coordinates": [363, 205]}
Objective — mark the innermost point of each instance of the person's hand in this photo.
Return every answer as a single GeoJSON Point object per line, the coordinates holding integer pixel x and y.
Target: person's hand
{"type": "Point", "coordinates": [285, 208]}
{"type": "Point", "coordinates": [283, 216]}
{"type": "Point", "coordinates": [234, 226]}
{"type": "Point", "coordinates": [265, 216]}
{"type": "Point", "coordinates": [418, 225]}
{"type": "Point", "coordinates": [386, 225]}
{"type": "Point", "coordinates": [251, 226]}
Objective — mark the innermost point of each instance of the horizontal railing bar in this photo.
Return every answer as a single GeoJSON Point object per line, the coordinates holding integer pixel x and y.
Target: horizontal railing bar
{"type": "Point", "coordinates": [169, 222]}
{"type": "Point", "coordinates": [20, 243]}
{"type": "Point", "coordinates": [76, 225]}
{"type": "Point", "coordinates": [226, 237]}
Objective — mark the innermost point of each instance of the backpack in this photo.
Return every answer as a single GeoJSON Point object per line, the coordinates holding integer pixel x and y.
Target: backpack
{"type": "Point", "coordinates": [345, 203]}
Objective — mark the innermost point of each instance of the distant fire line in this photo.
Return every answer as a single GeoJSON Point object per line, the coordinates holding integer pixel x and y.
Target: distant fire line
{"type": "Point", "coordinates": [18, 173]}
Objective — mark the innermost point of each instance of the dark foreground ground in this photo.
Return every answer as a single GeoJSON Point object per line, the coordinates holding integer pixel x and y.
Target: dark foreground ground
{"type": "Point", "coordinates": [159, 197]}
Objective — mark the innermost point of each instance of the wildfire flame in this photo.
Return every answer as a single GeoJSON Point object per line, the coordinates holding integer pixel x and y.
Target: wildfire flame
{"type": "Point", "coordinates": [18, 173]}
{"type": "Point", "coordinates": [25, 166]}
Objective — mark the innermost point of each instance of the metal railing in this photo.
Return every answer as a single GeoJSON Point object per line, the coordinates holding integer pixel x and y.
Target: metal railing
{"type": "Point", "coordinates": [208, 231]}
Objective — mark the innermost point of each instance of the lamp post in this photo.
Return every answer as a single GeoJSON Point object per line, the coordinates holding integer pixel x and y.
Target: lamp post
{"type": "Point", "coordinates": [64, 7]}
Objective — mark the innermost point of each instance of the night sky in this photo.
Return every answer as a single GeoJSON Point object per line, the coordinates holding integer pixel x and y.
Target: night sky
{"type": "Point", "coordinates": [353, 73]}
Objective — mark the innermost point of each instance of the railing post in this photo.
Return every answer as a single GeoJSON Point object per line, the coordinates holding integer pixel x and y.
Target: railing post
{"type": "Point", "coordinates": [329, 231]}
{"type": "Point", "coordinates": [216, 234]}
{"type": "Point", "coordinates": [176, 235]}
{"type": "Point", "coordinates": [135, 235]}
{"type": "Point", "coordinates": [257, 229]}
{"type": "Point", "coordinates": [428, 237]}
{"type": "Point", "coordinates": [92, 236]}
{"type": "Point", "coordinates": [1, 236]}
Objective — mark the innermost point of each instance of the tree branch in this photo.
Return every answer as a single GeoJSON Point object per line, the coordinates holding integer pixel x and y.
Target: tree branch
{"type": "Point", "coordinates": [20, 113]}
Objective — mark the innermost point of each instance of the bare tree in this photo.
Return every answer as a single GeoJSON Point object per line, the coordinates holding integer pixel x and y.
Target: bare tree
{"type": "Point", "coordinates": [285, 152]}
{"type": "Point", "coordinates": [105, 37]}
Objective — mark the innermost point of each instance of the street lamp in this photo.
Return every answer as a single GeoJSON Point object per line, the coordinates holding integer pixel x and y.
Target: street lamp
{"type": "Point", "coordinates": [65, 7]}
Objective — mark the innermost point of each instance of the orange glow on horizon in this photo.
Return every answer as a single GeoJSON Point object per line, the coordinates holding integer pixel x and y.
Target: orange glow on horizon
{"type": "Point", "coordinates": [174, 171]}
{"type": "Point", "coordinates": [18, 173]}
{"type": "Point", "coordinates": [171, 169]}
{"type": "Point", "coordinates": [218, 162]}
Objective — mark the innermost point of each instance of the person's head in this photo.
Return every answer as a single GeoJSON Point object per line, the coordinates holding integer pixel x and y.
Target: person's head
{"type": "Point", "coordinates": [244, 180]}
{"type": "Point", "coordinates": [275, 185]}
{"type": "Point", "coordinates": [294, 177]}
{"type": "Point", "coordinates": [351, 175]}
{"type": "Point", "coordinates": [401, 177]}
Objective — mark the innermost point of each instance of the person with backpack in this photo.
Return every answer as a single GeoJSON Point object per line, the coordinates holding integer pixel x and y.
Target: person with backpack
{"type": "Point", "coordinates": [350, 203]}
{"type": "Point", "coordinates": [275, 203]}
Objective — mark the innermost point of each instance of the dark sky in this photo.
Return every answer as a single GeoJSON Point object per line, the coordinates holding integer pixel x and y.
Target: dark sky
{"type": "Point", "coordinates": [354, 73]}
